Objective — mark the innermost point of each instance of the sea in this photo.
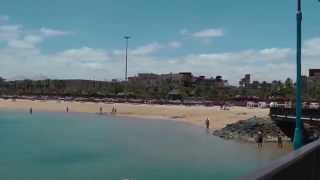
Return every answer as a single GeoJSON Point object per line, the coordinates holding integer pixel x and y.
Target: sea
{"type": "Point", "coordinates": [82, 146]}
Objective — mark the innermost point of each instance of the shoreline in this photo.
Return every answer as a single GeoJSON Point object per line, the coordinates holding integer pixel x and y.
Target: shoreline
{"type": "Point", "coordinates": [194, 115]}
{"type": "Point", "coordinates": [150, 112]}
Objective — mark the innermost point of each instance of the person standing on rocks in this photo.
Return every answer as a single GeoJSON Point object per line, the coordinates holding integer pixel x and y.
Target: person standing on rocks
{"type": "Point", "coordinates": [260, 139]}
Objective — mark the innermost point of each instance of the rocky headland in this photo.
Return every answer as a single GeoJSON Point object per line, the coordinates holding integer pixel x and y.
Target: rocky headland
{"type": "Point", "coordinates": [247, 130]}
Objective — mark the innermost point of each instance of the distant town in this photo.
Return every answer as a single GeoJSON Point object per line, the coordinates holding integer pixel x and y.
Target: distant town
{"type": "Point", "coordinates": [173, 86]}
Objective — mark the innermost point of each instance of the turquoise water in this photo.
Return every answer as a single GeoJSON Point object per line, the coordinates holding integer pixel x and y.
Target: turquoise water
{"type": "Point", "coordinates": [60, 146]}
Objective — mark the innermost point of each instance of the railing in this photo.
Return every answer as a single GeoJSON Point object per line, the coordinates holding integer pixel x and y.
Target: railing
{"type": "Point", "coordinates": [306, 112]}
{"type": "Point", "coordinates": [302, 164]}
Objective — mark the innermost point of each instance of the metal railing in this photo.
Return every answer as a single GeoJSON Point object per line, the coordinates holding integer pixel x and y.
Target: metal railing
{"type": "Point", "coordinates": [305, 113]}
{"type": "Point", "coordinates": [302, 164]}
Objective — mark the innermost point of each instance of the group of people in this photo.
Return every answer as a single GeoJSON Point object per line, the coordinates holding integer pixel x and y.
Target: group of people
{"type": "Point", "coordinates": [113, 111]}
{"type": "Point", "coordinates": [259, 140]}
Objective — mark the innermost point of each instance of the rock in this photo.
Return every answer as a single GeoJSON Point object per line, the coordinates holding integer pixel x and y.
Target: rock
{"type": "Point", "coordinates": [247, 130]}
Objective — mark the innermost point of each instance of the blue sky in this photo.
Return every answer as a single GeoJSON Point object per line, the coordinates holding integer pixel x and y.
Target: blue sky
{"type": "Point", "coordinates": [84, 39]}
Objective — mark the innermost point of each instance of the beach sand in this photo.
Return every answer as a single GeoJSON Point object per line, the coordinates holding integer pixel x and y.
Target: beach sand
{"type": "Point", "coordinates": [189, 114]}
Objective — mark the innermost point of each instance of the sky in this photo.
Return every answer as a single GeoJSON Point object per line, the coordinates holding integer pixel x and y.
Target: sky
{"type": "Point", "coordinates": [70, 39]}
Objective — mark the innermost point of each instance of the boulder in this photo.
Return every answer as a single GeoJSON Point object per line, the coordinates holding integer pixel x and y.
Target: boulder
{"type": "Point", "coordinates": [248, 129]}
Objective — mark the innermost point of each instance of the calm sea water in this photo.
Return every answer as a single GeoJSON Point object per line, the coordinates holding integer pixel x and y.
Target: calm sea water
{"type": "Point", "coordinates": [60, 146]}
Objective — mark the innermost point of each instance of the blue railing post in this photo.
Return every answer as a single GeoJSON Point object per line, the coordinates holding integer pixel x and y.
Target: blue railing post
{"type": "Point", "coordinates": [298, 139]}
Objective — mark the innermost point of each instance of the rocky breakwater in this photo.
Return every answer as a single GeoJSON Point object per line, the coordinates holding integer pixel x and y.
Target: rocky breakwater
{"type": "Point", "coordinates": [247, 130]}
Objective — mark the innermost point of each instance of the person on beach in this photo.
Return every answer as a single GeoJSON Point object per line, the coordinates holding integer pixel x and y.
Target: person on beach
{"type": "Point", "coordinates": [67, 109]}
{"type": "Point", "coordinates": [30, 110]}
{"type": "Point", "coordinates": [260, 139]}
{"type": "Point", "coordinates": [207, 122]}
{"type": "Point", "coordinates": [280, 143]}
{"type": "Point", "coordinates": [114, 110]}
{"type": "Point", "coordinates": [221, 106]}
{"type": "Point", "coordinates": [101, 110]}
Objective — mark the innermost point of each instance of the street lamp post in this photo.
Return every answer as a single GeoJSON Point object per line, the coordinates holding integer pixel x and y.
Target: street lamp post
{"type": "Point", "coordinates": [298, 138]}
{"type": "Point", "coordinates": [127, 43]}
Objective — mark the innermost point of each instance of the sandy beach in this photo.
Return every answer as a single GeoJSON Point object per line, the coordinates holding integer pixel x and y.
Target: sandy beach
{"type": "Point", "coordinates": [189, 114]}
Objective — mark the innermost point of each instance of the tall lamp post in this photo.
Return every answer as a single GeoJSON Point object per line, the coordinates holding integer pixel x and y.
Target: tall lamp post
{"type": "Point", "coordinates": [298, 132]}
{"type": "Point", "coordinates": [127, 43]}
{"type": "Point", "coordinates": [298, 137]}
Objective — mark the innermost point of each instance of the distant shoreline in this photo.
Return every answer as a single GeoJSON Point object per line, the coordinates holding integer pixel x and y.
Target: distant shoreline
{"type": "Point", "coordinates": [186, 102]}
{"type": "Point", "coordinates": [189, 114]}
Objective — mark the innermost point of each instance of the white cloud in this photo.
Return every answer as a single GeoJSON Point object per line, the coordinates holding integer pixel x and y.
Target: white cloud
{"type": "Point", "coordinates": [9, 32]}
{"type": "Point", "coordinates": [275, 53]}
{"type": "Point", "coordinates": [16, 36]}
{"type": "Point", "coordinates": [53, 32]}
{"type": "Point", "coordinates": [184, 31]}
{"type": "Point", "coordinates": [4, 18]}
{"type": "Point", "coordinates": [26, 42]}
{"type": "Point", "coordinates": [147, 49]}
{"type": "Point", "coordinates": [117, 52]}
{"type": "Point", "coordinates": [233, 65]}
{"type": "Point", "coordinates": [204, 34]}
{"type": "Point", "coordinates": [34, 39]}
{"type": "Point", "coordinates": [264, 64]}
{"type": "Point", "coordinates": [84, 54]}
{"type": "Point", "coordinates": [20, 44]}
{"type": "Point", "coordinates": [174, 44]}
{"type": "Point", "coordinates": [208, 33]}
{"type": "Point", "coordinates": [312, 47]}
{"type": "Point", "coordinates": [22, 57]}
{"type": "Point", "coordinates": [93, 65]}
